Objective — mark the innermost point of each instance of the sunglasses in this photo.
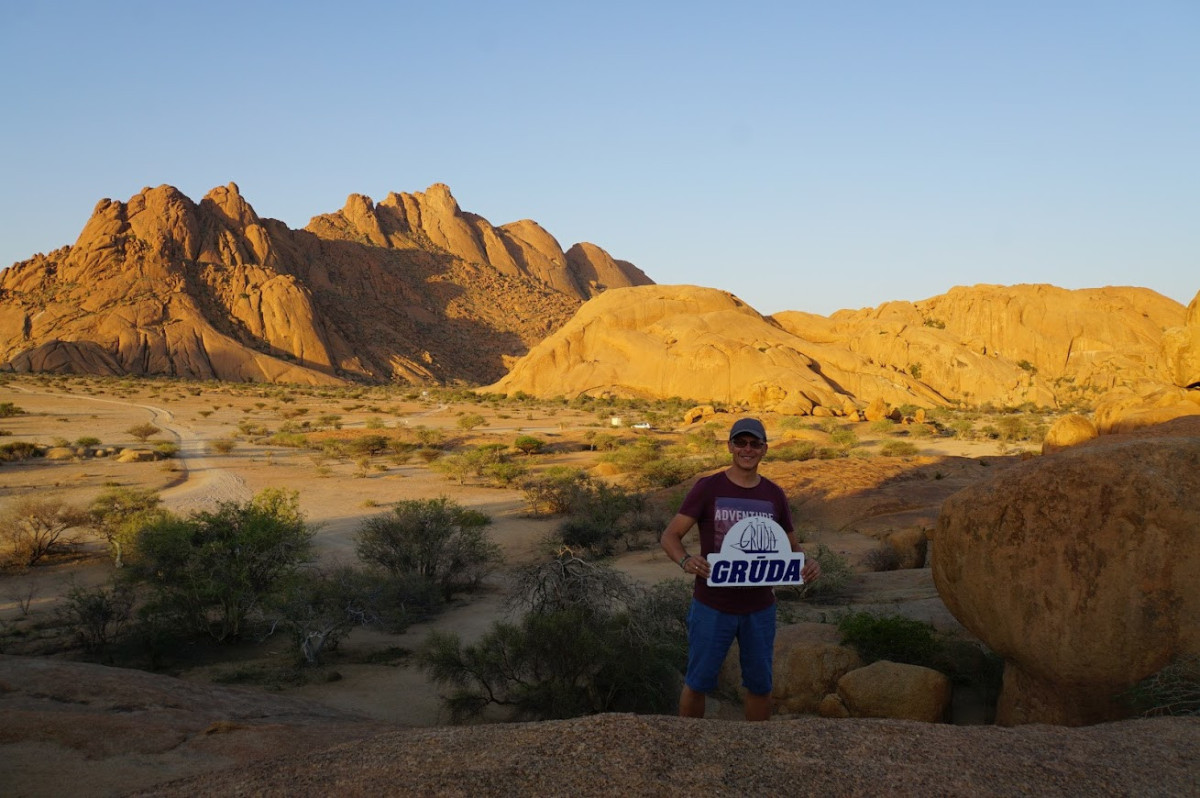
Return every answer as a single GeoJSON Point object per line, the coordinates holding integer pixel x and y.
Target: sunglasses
{"type": "Point", "coordinates": [748, 443]}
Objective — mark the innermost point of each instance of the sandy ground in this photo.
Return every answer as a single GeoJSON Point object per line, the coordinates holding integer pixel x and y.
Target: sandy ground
{"type": "Point", "coordinates": [336, 496]}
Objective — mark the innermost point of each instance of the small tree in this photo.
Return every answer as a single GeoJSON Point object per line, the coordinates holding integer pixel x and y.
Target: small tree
{"type": "Point", "coordinates": [143, 432]}
{"type": "Point", "coordinates": [319, 608]}
{"type": "Point", "coordinates": [471, 421]}
{"type": "Point", "coordinates": [97, 616]}
{"type": "Point", "coordinates": [213, 569]}
{"type": "Point", "coordinates": [32, 528]}
{"type": "Point", "coordinates": [528, 444]}
{"type": "Point", "coordinates": [117, 513]}
{"type": "Point", "coordinates": [436, 539]}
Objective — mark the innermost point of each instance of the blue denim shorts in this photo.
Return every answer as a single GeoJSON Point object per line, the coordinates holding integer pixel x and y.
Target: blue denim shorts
{"type": "Point", "coordinates": [711, 633]}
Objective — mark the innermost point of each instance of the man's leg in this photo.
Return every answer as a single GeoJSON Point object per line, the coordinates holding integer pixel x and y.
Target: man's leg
{"type": "Point", "coordinates": [710, 634]}
{"type": "Point", "coordinates": [757, 707]}
{"type": "Point", "coordinates": [691, 703]}
{"type": "Point", "coordinates": [756, 643]}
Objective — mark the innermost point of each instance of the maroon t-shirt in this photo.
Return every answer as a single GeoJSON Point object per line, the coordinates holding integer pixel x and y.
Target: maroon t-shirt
{"type": "Point", "coordinates": [717, 504]}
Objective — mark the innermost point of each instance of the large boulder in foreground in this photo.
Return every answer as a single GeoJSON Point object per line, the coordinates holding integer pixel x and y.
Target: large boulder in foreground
{"type": "Point", "coordinates": [1081, 569]}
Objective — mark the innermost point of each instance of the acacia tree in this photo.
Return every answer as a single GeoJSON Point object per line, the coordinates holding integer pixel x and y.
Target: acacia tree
{"type": "Point", "coordinates": [117, 514]}
{"type": "Point", "coordinates": [32, 528]}
{"type": "Point", "coordinates": [143, 432]}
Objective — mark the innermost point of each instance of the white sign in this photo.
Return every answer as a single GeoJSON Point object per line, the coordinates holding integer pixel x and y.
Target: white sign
{"type": "Point", "coordinates": [755, 553]}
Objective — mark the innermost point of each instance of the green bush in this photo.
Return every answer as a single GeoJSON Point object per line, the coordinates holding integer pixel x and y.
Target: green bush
{"type": "Point", "coordinates": [19, 450]}
{"type": "Point", "coordinates": [8, 409]}
{"type": "Point", "coordinates": [119, 513]}
{"type": "Point", "coordinates": [898, 448]}
{"type": "Point", "coordinates": [552, 492]}
{"type": "Point", "coordinates": [791, 451]}
{"type": "Point", "coordinates": [211, 570]}
{"type": "Point", "coordinates": [590, 641]}
{"type": "Point", "coordinates": [890, 637]}
{"type": "Point", "coordinates": [836, 573]}
{"type": "Point", "coordinates": [528, 444]}
{"type": "Point", "coordinates": [435, 539]}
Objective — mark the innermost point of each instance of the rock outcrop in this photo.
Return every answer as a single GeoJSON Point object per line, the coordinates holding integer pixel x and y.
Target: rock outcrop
{"type": "Point", "coordinates": [661, 341]}
{"type": "Point", "coordinates": [1006, 345]}
{"type": "Point", "coordinates": [891, 690]}
{"type": "Point", "coordinates": [1081, 569]}
{"type": "Point", "coordinates": [1069, 430]}
{"type": "Point", "coordinates": [412, 289]}
{"type": "Point", "coordinates": [1175, 394]}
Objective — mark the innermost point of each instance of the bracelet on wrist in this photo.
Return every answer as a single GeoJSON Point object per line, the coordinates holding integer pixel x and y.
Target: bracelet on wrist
{"type": "Point", "coordinates": [683, 560]}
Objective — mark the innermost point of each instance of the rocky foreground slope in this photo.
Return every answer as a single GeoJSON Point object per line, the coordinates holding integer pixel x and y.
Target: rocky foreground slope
{"type": "Point", "coordinates": [87, 730]}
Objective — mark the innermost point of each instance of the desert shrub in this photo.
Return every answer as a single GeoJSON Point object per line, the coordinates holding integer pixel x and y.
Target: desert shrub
{"type": "Point", "coordinates": [836, 573]}
{"type": "Point", "coordinates": [290, 440]}
{"type": "Point", "coordinates": [118, 513]}
{"type": "Point", "coordinates": [651, 467]}
{"type": "Point", "coordinates": [921, 430]}
{"type": "Point", "coordinates": [19, 450]}
{"type": "Point", "coordinates": [166, 449]}
{"type": "Point", "coordinates": [791, 451]}
{"type": "Point", "coordinates": [504, 473]}
{"type": "Point", "coordinates": [882, 558]}
{"type": "Point", "coordinates": [889, 637]}
{"type": "Point", "coordinates": [1174, 690]}
{"type": "Point", "coordinates": [590, 640]}
{"type": "Point", "coordinates": [222, 445]}
{"type": "Point", "coordinates": [143, 432]}
{"type": "Point", "coordinates": [552, 491]}
{"type": "Point", "coordinates": [883, 426]}
{"type": "Point", "coordinates": [8, 410]}
{"type": "Point", "coordinates": [895, 448]}
{"type": "Point", "coordinates": [471, 421]}
{"type": "Point", "coordinates": [436, 539]}
{"type": "Point", "coordinates": [33, 528]}
{"type": "Point", "coordinates": [87, 440]}
{"type": "Point", "coordinates": [430, 438]}
{"type": "Point", "coordinates": [599, 516]}
{"type": "Point", "coordinates": [528, 444]}
{"type": "Point", "coordinates": [210, 571]}
{"type": "Point", "coordinates": [97, 616]}
{"type": "Point", "coordinates": [844, 437]}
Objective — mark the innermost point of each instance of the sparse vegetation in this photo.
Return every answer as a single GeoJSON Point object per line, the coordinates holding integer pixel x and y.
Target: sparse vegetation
{"type": "Point", "coordinates": [1174, 690]}
{"type": "Point", "coordinates": [589, 640]}
{"type": "Point", "coordinates": [34, 528]}
{"type": "Point", "coordinates": [437, 540]}
{"type": "Point", "coordinates": [890, 637]}
{"type": "Point", "coordinates": [143, 432]}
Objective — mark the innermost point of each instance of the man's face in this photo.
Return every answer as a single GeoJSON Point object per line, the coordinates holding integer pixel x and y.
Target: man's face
{"type": "Point", "coordinates": [747, 451]}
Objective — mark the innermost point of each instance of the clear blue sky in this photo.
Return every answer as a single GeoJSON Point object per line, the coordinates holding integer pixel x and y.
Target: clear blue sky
{"type": "Point", "coordinates": [803, 155]}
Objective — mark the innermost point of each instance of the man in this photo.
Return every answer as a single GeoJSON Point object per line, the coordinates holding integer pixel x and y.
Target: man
{"type": "Point", "coordinates": [718, 615]}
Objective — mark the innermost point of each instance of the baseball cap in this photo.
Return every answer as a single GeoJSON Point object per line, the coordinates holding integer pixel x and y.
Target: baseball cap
{"type": "Point", "coordinates": [748, 426]}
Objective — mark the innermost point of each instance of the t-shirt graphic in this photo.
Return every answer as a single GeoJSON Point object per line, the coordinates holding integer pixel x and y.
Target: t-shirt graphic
{"type": "Point", "coordinates": [728, 510]}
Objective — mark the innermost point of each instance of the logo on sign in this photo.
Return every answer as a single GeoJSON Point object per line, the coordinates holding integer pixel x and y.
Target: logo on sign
{"type": "Point", "coordinates": [755, 553]}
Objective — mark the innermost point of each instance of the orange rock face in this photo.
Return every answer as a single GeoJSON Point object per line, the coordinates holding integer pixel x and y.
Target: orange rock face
{"type": "Point", "coordinates": [1081, 569]}
{"type": "Point", "coordinates": [661, 341]}
{"type": "Point", "coordinates": [413, 290]}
